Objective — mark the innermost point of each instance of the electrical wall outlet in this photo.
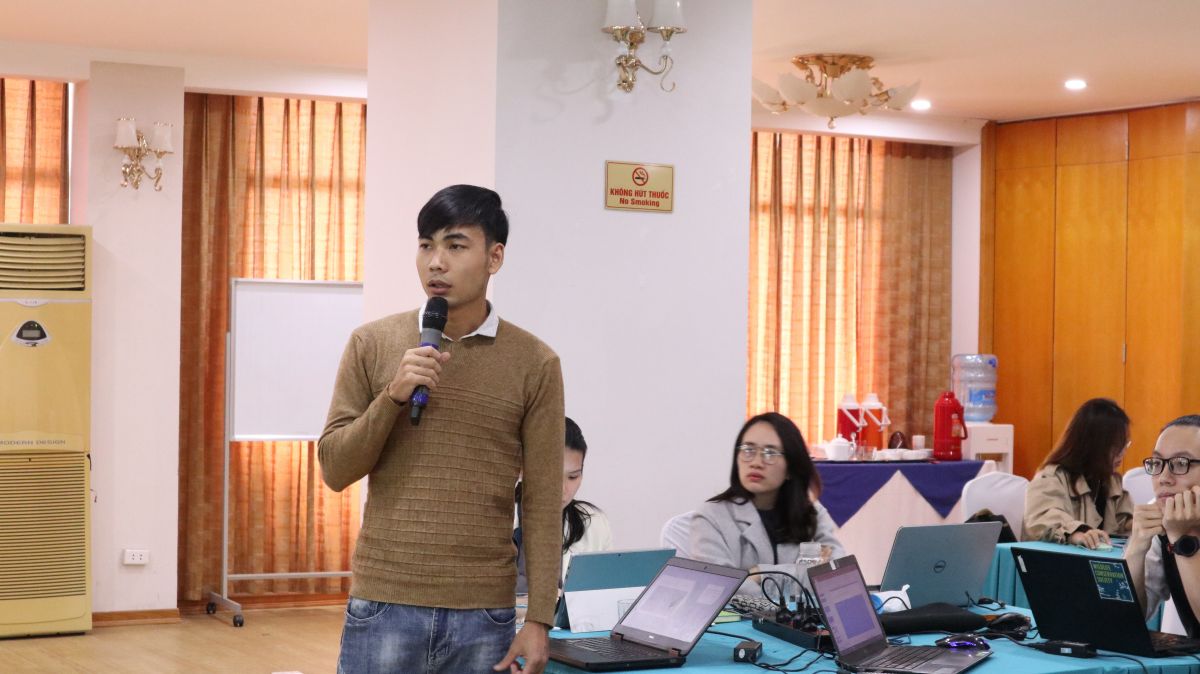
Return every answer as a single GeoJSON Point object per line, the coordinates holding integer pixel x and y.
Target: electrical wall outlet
{"type": "Point", "coordinates": [136, 557]}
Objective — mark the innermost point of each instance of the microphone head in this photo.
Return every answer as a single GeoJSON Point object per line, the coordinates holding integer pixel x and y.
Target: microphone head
{"type": "Point", "coordinates": [437, 310]}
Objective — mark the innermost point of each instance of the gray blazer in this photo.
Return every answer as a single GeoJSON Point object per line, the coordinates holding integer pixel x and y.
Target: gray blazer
{"type": "Point", "coordinates": [733, 534]}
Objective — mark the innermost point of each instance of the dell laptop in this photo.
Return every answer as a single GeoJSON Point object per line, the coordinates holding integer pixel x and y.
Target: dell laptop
{"type": "Point", "coordinates": [942, 562]}
{"type": "Point", "coordinates": [857, 635]}
{"type": "Point", "coordinates": [663, 624]}
{"type": "Point", "coordinates": [1077, 597]}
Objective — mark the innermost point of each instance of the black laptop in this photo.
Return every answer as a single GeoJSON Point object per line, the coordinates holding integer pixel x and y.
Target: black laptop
{"type": "Point", "coordinates": [1091, 599]}
{"type": "Point", "coordinates": [857, 635]}
{"type": "Point", "coordinates": [663, 624]}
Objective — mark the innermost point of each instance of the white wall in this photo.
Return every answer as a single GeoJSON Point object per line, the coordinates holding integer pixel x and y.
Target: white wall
{"type": "Point", "coordinates": [907, 127]}
{"type": "Point", "coordinates": [964, 249]}
{"type": "Point", "coordinates": [432, 124]}
{"type": "Point", "coordinates": [646, 310]}
{"type": "Point", "coordinates": [135, 342]}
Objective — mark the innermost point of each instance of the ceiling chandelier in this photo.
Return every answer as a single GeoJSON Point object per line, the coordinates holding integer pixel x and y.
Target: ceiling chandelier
{"type": "Point", "coordinates": [833, 85]}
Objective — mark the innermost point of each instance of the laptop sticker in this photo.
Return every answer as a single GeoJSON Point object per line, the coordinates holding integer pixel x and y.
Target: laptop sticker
{"type": "Point", "coordinates": [1111, 581]}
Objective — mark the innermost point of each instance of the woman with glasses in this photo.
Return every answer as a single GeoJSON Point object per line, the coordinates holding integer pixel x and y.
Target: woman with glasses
{"type": "Point", "coordinates": [1076, 496]}
{"type": "Point", "coordinates": [769, 509]}
{"type": "Point", "coordinates": [1162, 550]}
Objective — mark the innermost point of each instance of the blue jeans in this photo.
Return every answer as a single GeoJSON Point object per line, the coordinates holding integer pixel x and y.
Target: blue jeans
{"type": "Point", "coordinates": [383, 638]}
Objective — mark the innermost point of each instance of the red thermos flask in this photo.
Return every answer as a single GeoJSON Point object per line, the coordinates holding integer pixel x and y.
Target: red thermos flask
{"type": "Point", "coordinates": [948, 428]}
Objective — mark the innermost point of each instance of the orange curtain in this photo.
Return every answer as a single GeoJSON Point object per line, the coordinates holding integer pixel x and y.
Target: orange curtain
{"type": "Point", "coordinates": [273, 188]}
{"type": "Point", "coordinates": [849, 278]}
{"type": "Point", "coordinates": [33, 151]}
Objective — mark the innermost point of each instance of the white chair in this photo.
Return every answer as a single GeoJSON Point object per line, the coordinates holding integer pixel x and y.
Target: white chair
{"type": "Point", "coordinates": [677, 532]}
{"type": "Point", "coordinates": [1001, 493]}
{"type": "Point", "coordinates": [1139, 484]}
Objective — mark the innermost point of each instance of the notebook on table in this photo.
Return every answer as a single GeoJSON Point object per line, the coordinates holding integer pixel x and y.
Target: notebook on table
{"type": "Point", "coordinates": [663, 624]}
{"type": "Point", "coordinates": [857, 635]}
{"type": "Point", "coordinates": [1077, 597]}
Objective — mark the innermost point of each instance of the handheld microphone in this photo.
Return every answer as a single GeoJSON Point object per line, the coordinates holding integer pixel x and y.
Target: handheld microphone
{"type": "Point", "coordinates": [433, 321]}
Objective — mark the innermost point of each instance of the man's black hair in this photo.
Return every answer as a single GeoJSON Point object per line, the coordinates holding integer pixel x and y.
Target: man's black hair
{"type": "Point", "coordinates": [464, 205]}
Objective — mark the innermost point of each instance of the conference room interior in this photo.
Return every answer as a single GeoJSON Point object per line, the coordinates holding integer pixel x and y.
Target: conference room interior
{"type": "Point", "coordinates": [799, 258]}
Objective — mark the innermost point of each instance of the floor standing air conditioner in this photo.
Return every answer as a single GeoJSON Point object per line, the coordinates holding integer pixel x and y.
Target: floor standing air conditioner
{"type": "Point", "coordinates": [45, 403]}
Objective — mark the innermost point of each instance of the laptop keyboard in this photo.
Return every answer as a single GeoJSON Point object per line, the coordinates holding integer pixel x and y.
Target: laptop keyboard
{"type": "Point", "coordinates": [611, 647]}
{"type": "Point", "coordinates": [1163, 641]}
{"type": "Point", "coordinates": [906, 657]}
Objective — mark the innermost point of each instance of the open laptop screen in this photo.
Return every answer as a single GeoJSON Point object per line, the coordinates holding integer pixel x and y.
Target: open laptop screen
{"type": "Point", "coordinates": [679, 604]}
{"type": "Point", "coordinates": [847, 607]}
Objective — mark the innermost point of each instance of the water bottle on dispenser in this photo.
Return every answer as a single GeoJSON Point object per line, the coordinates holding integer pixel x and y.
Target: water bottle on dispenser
{"type": "Point", "coordinates": [973, 379]}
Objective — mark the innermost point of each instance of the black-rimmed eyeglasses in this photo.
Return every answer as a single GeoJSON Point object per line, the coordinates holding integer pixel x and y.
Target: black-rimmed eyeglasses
{"type": "Point", "coordinates": [1179, 464]}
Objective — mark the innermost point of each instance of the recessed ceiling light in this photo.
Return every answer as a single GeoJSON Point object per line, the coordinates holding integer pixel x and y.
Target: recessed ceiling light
{"type": "Point", "coordinates": [921, 104]}
{"type": "Point", "coordinates": [1075, 85]}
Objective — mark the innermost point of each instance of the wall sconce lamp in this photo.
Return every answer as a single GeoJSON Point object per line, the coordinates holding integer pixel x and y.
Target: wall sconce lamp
{"type": "Point", "coordinates": [625, 25]}
{"type": "Point", "coordinates": [131, 142]}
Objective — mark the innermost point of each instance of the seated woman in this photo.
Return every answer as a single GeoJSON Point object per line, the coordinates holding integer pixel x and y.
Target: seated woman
{"type": "Point", "coordinates": [759, 522]}
{"type": "Point", "coordinates": [1076, 496]}
{"type": "Point", "coordinates": [585, 527]}
{"type": "Point", "coordinates": [1162, 550]}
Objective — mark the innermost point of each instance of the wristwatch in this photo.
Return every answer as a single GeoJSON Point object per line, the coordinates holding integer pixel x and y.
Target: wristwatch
{"type": "Point", "coordinates": [1186, 546]}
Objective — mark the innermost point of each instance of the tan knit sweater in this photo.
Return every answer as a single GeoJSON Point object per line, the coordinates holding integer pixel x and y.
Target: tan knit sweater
{"type": "Point", "coordinates": [438, 524]}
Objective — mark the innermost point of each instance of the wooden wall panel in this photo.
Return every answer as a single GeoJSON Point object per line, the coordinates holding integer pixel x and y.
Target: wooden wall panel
{"type": "Point", "coordinates": [1154, 321]}
{"type": "Point", "coordinates": [1089, 286]}
{"type": "Point", "coordinates": [1024, 309]}
{"type": "Point", "coordinates": [1093, 139]}
{"type": "Point", "coordinates": [987, 236]}
{"type": "Point", "coordinates": [1025, 144]}
{"type": "Point", "coordinates": [1157, 131]}
{"type": "Point", "coordinates": [1190, 310]}
{"type": "Point", "coordinates": [1192, 128]}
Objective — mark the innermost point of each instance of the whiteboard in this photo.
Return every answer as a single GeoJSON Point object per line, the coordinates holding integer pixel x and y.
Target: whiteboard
{"type": "Point", "coordinates": [285, 342]}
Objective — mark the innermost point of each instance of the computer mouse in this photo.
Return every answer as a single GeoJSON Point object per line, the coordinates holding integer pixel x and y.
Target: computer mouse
{"type": "Point", "coordinates": [972, 642]}
{"type": "Point", "coordinates": [1009, 623]}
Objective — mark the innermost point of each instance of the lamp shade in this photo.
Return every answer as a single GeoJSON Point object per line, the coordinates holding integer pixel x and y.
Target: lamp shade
{"type": "Point", "coordinates": [162, 138]}
{"type": "Point", "coordinates": [795, 89]}
{"type": "Point", "coordinates": [899, 97]}
{"type": "Point", "coordinates": [622, 14]}
{"type": "Point", "coordinates": [765, 93]}
{"type": "Point", "coordinates": [828, 107]}
{"type": "Point", "coordinates": [854, 85]}
{"type": "Point", "coordinates": [126, 133]}
{"type": "Point", "coordinates": [667, 14]}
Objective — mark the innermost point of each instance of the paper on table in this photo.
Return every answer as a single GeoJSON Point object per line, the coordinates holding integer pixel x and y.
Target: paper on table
{"type": "Point", "coordinates": [596, 610]}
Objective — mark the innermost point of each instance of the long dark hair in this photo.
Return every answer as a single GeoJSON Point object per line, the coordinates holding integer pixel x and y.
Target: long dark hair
{"type": "Point", "coordinates": [576, 516]}
{"type": "Point", "coordinates": [1093, 438]}
{"type": "Point", "coordinates": [793, 507]}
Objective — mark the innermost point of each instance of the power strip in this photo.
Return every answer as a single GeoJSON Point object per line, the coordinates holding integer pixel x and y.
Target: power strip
{"type": "Point", "coordinates": [813, 640]}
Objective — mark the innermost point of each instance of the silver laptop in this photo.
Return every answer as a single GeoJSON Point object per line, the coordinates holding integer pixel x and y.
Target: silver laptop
{"type": "Point", "coordinates": [941, 562]}
{"type": "Point", "coordinates": [857, 635]}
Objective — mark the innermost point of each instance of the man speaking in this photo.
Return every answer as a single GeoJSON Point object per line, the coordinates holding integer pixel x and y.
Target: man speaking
{"type": "Point", "coordinates": [435, 567]}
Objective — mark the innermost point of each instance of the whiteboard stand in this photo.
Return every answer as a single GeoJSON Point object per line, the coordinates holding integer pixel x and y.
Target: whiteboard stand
{"type": "Point", "coordinates": [327, 312]}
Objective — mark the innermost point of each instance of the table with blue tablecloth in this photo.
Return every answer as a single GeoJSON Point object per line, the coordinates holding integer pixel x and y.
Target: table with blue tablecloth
{"type": "Point", "coordinates": [869, 500]}
{"type": "Point", "coordinates": [714, 653]}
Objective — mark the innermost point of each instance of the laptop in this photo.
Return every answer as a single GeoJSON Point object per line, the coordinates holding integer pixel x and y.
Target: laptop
{"type": "Point", "coordinates": [941, 562]}
{"type": "Point", "coordinates": [663, 624]}
{"type": "Point", "coordinates": [857, 635]}
{"type": "Point", "coordinates": [1079, 597]}
{"type": "Point", "coordinates": [596, 581]}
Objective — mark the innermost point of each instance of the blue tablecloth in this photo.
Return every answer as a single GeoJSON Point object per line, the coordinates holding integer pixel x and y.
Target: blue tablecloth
{"type": "Point", "coordinates": [714, 653]}
{"type": "Point", "coordinates": [846, 487]}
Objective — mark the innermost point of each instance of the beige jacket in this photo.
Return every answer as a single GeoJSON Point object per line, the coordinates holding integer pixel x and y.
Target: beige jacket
{"type": "Point", "coordinates": [1055, 508]}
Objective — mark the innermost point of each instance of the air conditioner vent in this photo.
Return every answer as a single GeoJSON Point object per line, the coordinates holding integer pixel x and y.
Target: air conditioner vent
{"type": "Point", "coordinates": [43, 524]}
{"type": "Point", "coordinates": [42, 261]}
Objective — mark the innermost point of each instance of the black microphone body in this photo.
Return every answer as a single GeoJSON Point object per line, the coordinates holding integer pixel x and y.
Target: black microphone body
{"type": "Point", "coordinates": [433, 322]}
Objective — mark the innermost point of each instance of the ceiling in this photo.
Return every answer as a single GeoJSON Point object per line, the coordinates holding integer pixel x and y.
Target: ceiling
{"type": "Point", "coordinates": [992, 59]}
{"type": "Point", "coordinates": [999, 59]}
